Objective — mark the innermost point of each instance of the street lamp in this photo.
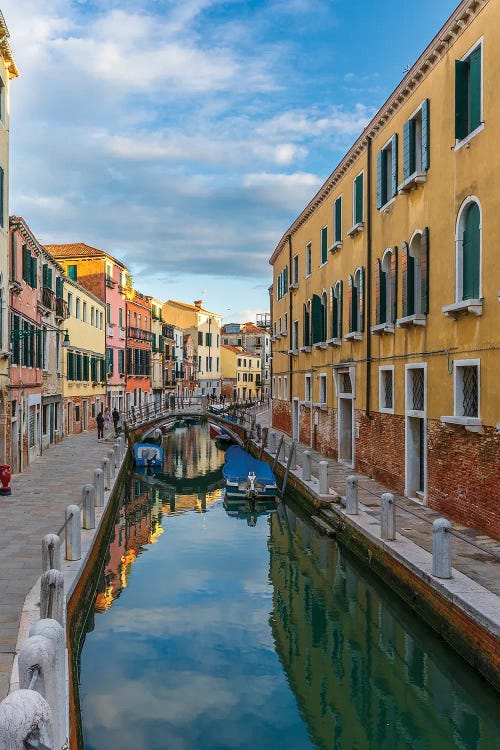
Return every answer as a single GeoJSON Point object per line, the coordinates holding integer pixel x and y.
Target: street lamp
{"type": "Point", "coordinates": [19, 334]}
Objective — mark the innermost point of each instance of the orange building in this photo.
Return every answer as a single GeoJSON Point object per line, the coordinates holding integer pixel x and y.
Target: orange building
{"type": "Point", "coordinates": [138, 391]}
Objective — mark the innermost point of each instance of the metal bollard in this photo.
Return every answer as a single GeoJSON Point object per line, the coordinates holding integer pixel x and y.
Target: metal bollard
{"type": "Point", "coordinates": [441, 548]}
{"type": "Point", "coordinates": [99, 487]}
{"type": "Point", "coordinates": [52, 604]}
{"type": "Point", "coordinates": [306, 466]}
{"type": "Point", "coordinates": [351, 495]}
{"type": "Point", "coordinates": [51, 552]}
{"type": "Point", "coordinates": [88, 506]}
{"type": "Point", "coordinates": [388, 517]}
{"type": "Point", "coordinates": [73, 533]}
{"type": "Point", "coordinates": [55, 686]}
{"type": "Point", "coordinates": [107, 473]}
{"type": "Point", "coordinates": [323, 477]}
{"type": "Point", "coordinates": [22, 713]}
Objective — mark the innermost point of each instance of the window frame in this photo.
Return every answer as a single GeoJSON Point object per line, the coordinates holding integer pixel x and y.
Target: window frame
{"type": "Point", "coordinates": [460, 142]}
{"type": "Point", "coordinates": [308, 256]}
{"type": "Point", "coordinates": [381, 389]}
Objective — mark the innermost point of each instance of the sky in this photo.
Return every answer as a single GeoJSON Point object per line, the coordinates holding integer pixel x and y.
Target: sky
{"type": "Point", "coordinates": [185, 137]}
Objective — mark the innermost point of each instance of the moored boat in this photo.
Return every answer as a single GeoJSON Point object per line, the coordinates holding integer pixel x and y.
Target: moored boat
{"type": "Point", "coordinates": [218, 433]}
{"type": "Point", "coordinates": [148, 454]}
{"type": "Point", "coordinates": [247, 477]}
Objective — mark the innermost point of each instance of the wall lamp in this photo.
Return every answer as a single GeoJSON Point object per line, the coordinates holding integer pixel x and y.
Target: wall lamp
{"type": "Point", "coordinates": [19, 334]}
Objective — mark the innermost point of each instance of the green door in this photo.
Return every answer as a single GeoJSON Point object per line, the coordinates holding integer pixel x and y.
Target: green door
{"type": "Point", "coordinates": [471, 248]}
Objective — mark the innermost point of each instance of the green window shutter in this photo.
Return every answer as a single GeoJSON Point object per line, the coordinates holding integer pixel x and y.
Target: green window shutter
{"type": "Point", "coordinates": [471, 253]}
{"type": "Point", "coordinates": [359, 199]}
{"type": "Point", "coordinates": [26, 345]}
{"type": "Point", "coordinates": [121, 361]}
{"type": "Point", "coordinates": [424, 270]}
{"type": "Point", "coordinates": [34, 266]}
{"type": "Point", "coordinates": [59, 287]}
{"type": "Point", "coordinates": [380, 203]}
{"type": "Point", "coordinates": [317, 314]}
{"type": "Point", "coordinates": [426, 135]}
{"type": "Point", "coordinates": [102, 368]}
{"type": "Point", "coordinates": [72, 272]}
{"type": "Point", "coordinates": [379, 287]}
{"type": "Point", "coordinates": [352, 316]}
{"type": "Point", "coordinates": [307, 326]}
{"type": "Point", "coordinates": [285, 279]}
{"type": "Point", "coordinates": [44, 274]}
{"type": "Point", "coordinates": [394, 165]}
{"type": "Point", "coordinates": [153, 341]}
{"type": "Point", "coordinates": [16, 344]}
{"type": "Point", "coordinates": [324, 245]}
{"type": "Point", "coordinates": [339, 308]}
{"type": "Point", "coordinates": [25, 263]}
{"type": "Point", "coordinates": [85, 373]}
{"type": "Point", "coordinates": [338, 220]}
{"type": "Point", "coordinates": [49, 278]}
{"type": "Point", "coordinates": [2, 200]}
{"type": "Point", "coordinates": [69, 365]}
{"type": "Point", "coordinates": [461, 99]}
{"type": "Point", "coordinates": [278, 292]}
{"type": "Point", "coordinates": [335, 316]}
{"type": "Point", "coordinates": [475, 89]}
{"type": "Point", "coordinates": [361, 294]}
{"type": "Point", "coordinates": [394, 285]}
{"type": "Point", "coordinates": [408, 147]}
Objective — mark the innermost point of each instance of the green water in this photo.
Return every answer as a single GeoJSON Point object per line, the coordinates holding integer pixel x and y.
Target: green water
{"type": "Point", "coordinates": [217, 629]}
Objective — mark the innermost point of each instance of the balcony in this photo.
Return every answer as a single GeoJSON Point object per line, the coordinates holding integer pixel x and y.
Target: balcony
{"type": "Point", "coordinates": [138, 334]}
{"type": "Point", "coordinates": [168, 332]}
{"type": "Point", "coordinates": [61, 308]}
{"type": "Point", "coordinates": [121, 332]}
{"type": "Point", "coordinates": [48, 298]}
{"type": "Point", "coordinates": [110, 283]}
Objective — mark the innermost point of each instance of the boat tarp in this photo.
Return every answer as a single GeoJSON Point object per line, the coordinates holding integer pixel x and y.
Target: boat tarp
{"type": "Point", "coordinates": [239, 463]}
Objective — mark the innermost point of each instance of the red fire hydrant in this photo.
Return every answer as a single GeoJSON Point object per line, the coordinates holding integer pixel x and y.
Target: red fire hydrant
{"type": "Point", "coordinates": [5, 476]}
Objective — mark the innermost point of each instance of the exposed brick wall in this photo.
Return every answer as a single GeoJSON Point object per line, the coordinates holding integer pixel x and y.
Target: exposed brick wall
{"type": "Point", "coordinates": [282, 416]}
{"type": "Point", "coordinates": [464, 475]}
{"type": "Point", "coordinates": [325, 433]}
{"type": "Point", "coordinates": [380, 448]}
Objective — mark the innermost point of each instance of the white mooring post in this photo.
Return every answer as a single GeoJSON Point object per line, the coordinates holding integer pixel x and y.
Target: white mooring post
{"type": "Point", "coordinates": [99, 487]}
{"type": "Point", "coordinates": [107, 473]}
{"type": "Point", "coordinates": [73, 533]}
{"type": "Point", "coordinates": [51, 552]}
{"type": "Point", "coordinates": [118, 454]}
{"type": "Point", "coordinates": [351, 495]}
{"type": "Point", "coordinates": [88, 506]}
{"type": "Point", "coordinates": [56, 695]}
{"type": "Point", "coordinates": [25, 714]}
{"type": "Point", "coordinates": [441, 548]}
{"type": "Point", "coordinates": [111, 458]}
{"type": "Point", "coordinates": [271, 442]}
{"type": "Point", "coordinates": [306, 466]}
{"type": "Point", "coordinates": [388, 516]}
{"type": "Point", "coordinates": [52, 604]}
{"type": "Point", "coordinates": [323, 477]}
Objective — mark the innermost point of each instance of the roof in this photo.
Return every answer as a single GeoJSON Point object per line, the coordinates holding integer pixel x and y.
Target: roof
{"type": "Point", "coordinates": [251, 328]}
{"type": "Point", "coordinates": [5, 49]}
{"type": "Point", "coordinates": [186, 306]}
{"type": "Point", "coordinates": [80, 250]}
{"type": "Point", "coordinates": [239, 350]}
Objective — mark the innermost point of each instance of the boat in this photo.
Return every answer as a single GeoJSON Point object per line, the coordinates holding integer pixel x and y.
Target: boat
{"type": "Point", "coordinates": [247, 477]}
{"type": "Point", "coordinates": [218, 433]}
{"type": "Point", "coordinates": [181, 424]}
{"type": "Point", "coordinates": [248, 509]}
{"type": "Point", "coordinates": [148, 455]}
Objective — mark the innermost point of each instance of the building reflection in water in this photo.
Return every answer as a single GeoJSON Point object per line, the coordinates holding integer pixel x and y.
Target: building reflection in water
{"type": "Point", "coordinates": [366, 673]}
{"type": "Point", "coordinates": [190, 480]}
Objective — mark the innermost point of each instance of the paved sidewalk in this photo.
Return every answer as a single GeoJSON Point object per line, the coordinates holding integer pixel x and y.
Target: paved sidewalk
{"type": "Point", "coordinates": [35, 508]}
{"type": "Point", "coordinates": [470, 561]}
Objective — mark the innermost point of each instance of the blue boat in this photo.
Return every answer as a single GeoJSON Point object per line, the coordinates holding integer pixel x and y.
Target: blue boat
{"type": "Point", "coordinates": [247, 477]}
{"type": "Point", "coordinates": [148, 454]}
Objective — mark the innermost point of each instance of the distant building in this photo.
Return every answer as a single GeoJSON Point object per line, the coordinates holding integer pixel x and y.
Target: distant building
{"type": "Point", "coordinates": [255, 339]}
{"type": "Point", "coordinates": [157, 354]}
{"type": "Point", "coordinates": [138, 361]}
{"type": "Point", "coordinates": [241, 373]}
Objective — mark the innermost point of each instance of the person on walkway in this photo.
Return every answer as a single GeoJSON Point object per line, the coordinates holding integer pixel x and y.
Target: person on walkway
{"type": "Point", "coordinates": [116, 419]}
{"type": "Point", "coordinates": [107, 419]}
{"type": "Point", "coordinates": [100, 426]}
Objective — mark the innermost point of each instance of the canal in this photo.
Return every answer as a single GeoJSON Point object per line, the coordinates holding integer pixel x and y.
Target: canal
{"type": "Point", "coordinates": [213, 628]}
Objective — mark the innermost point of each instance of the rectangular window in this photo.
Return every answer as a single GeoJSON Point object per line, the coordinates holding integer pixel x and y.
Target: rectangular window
{"type": "Point", "coordinates": [200, 338]}
{"type": "Point", "coordinates": [285, 388]}
{"type": "Point", "coordinates": [387, 172]}
{"type": "Point", "coordinates": [2, 199]}
{"type": "Point", "coordinates": [337, 220]}
{"type": "Point", "coordinates": [285, 323]}
{"type": "Point", "coordinates": [324, 245]}
{"type": "Point", "coordinates": [308, 259]}
{"type": "Point", "coordinates": [416, 142]}
{"type": "Point", "coordinates": [468, 97]}
{"type": "Point", "coordinates": [307, 388]}
{"type": "Point", "coordinates": [121, 361]}
{"type": "Point", "coordinates": [120, 317]}
{"type": "Point", "coordinates": [108, 313]}
{"type": "Point", "coordinates": [358, 207]}
{"type": "Point", "coordinates": [72, 272]}
{"type": "Point", "coordinates": [466, 390]}
{"type": "Point", "coordinates": [109, 360]}
{"type": "Point", "coordinates": [92, 317]}
{"type": "Point", "coordinates": [101, 316]}
{"type": "Point", "coordinates": [322, 389]}
{"type": "Point", "coordinates": [279, 386]}
{"type": "Point", "coordinates": [386, 389]}
{"type": "Point", "coordinates": [295, 336]}
{"type": "Point", "coordinates": [84, 312]}
{"type": "Point", "coordinates": [416, 389]}
{"type": "Point", "coordinates": [295, 269]}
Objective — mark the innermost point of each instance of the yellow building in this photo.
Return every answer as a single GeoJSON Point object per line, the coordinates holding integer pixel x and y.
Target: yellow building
{"type": "Point", "coordinates": [8, 70]}
{"type": "Point", "coordinates": [84, 363]}
{"type": "Point", "coordinates": [386, 287]}
{"type": "Point", "coordinates": [157, 363]}
{"type": "Point", "coordinates": [241, 373]}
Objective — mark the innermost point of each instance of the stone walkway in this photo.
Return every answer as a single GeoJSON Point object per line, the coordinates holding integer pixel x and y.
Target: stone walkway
{"type": "Point", "coordinates": [472, 562]}
{"type": "Point", "coordinates": [35, 508]}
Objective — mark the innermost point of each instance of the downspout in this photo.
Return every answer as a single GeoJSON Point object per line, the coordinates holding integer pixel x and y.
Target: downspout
{"type": "Point", "coordinates": [368, 275]}
{"type": "Point", "coordinates": [290, 306]}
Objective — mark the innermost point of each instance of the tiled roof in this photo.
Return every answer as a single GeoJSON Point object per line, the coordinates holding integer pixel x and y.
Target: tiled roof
{"type": "Point", "coordinates": [239, 350]}
{"type": "Point", "coordinates": [79, 250]}
{"type": "Point", "coordinates": [190, 307]}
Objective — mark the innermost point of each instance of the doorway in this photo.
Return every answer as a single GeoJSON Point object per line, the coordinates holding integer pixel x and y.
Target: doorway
{"type": "Point", "coordinates": [85, 414]}
{"type": "Point", "coordinates": [346, 415]}
{"type": "Point", "coordinates": [415, 432]}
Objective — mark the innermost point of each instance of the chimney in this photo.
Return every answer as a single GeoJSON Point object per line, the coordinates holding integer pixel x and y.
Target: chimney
{"type": "Point", "coordinates": [198, 302]}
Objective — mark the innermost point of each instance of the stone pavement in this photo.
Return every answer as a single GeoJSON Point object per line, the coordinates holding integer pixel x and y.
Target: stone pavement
{"type": "Point", "coordinates": [472, 562]}
{"type": "Point", "coordinates": [35, 508]}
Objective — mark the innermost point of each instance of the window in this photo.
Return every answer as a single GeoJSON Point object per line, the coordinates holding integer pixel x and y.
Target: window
{"type": "Point", "coordinates": [101, 316]}
{"type": "Point", "coordinates": [109, 361]}
{"type": "Point", "coordinates": [109, 271]}
{"type": "Point", "coordinates": [279, 386]}
{"type": "Point", "coordinates": [307, 324]}
{"type": "Point", "coordinates": [285, 387]}
{"type": "Point", "coordinates": [387, 172]}
{"type": "Point", "coordinates": [285, 323]}
{"type": "Point", "coordinates": [121, 361]}
{"type": "Point", "coordinates": [2, 102]}
{"type": "Point", "coordinates": [468, 252]}
{"type": "Point", "coordinates": [468, 96]}
{"type": "Point", "coordinates": [108, 313]}
{"type": "Point", "coordinates": [295, 269]}
{"type": "Point", "coordinates": [307, 388]}
{"type": "Point", "coordinates": [29, 267]}
{"type": "Point", "coordinates": [415, 396]}
{"type": "Point", "coordinates": [72, 272]}
{"type": "Point", "coordinates": [273, 388]}
{"type": "Point", "coordinates": [200, 338]}
{"type": "Point", "coordinates": [322, 389]}
{"type": "Point", "coordinates": [467, 389]}
{"type": "Point", "coordinates": [356, 302]}
{"type": "Point", "coordinates": [415, 276]}
{"type": "Point", "coordinates": [2, 198]}
{"type": "Point", "coordinates": [70, 303]}
{"type": "Point", "coordinates": [282, 283]}
{"type": "Point", "coordinates": [337, 220]}
{"type": "Point", "coordinates": [308, 259]}
{"type": "Point", "coordinates": [208, 339]}
{"type": "Point", "coordinates": [357, 205]}
{"type": "Point", "coordinates": [386, 389]}
{"type": "Point", "coordinates": [416, 146]}
{"type": "Point", "coordinates": [385, 288]}
{"type": "Point", "coordinates": [319, 317]}
{"type": "Point", "coordinates": [92, 316]}
{"type": "Point", "coordinates": [77, 308]}
{"type": "Point", "coordinates": [84, 312]}
{"type": "Point", "coordinates": [324, 245]}
{"type": "Point", "coordinates": [336, 296]}
{"type": "Point", "coordinates": [295, 335]}
{"type": "Point", "coordinates": [120, 317]}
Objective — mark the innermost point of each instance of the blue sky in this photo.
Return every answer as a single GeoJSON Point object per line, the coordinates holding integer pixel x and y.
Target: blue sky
{"type": "Point", "coordinates": [185, 137]}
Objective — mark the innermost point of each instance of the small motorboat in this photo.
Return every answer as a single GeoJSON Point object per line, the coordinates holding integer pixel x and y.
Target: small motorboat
{"type": "Point", "coordinates": [247, 477]}
{"type": "Point", "coordinates": [148, 455]}
{"type": "Point", "coordinates": [218, 433]}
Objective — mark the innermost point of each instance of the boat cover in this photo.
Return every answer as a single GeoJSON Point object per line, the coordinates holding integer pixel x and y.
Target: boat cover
{"type": "Point", "coordinates": [239, 463]}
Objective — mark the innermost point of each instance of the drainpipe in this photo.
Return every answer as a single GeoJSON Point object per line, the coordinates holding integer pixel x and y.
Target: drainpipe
{"type": "Point", "coordinates": [290, 306]}
{"type": "Point", "coordinates": [368, 291]}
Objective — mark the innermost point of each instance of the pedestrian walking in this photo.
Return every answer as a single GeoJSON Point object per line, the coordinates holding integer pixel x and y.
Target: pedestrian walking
{"type": "Point", "coordinates": [116, 419]}
{"type": "Point", "coordinates": [100, 426]}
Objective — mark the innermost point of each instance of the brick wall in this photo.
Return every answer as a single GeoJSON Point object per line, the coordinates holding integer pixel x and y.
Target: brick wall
{"type": "Point", "coordinates": [325, 433]}
{"type": "Point", "coordinates": [282, 416]}
{"type": "Point", "coordinates": [380, 448]}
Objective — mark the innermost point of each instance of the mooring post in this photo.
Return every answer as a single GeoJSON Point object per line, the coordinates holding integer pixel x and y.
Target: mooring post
{"type": "Point", "coordinates": [88, 506]}
{"type": "Point", "coordinates": [441, 548]}
{"type": "Point", "coordinates": [306, 466]}
{"type": "Point", "coordinates": [73, 532]}
{"type": "Point", "coordinates": [52, 603]}
{"type": "Point", "coordinates": [51, 552]}
{"type": "Point", "coordinates": [388, 516]}
{"type": "Point", "coordinates": [278, 451]}
{"type": "Point", "coordinates": [99, 487]}
{"type": "Point", "coordinates": [56, 693]}
{"type": "Point", "coordinates": [271, 440]}
{"type": "Point", "coordinates": [323, 477]}
{"type": "Point", "coordinates": [351, 495]}
{"type": "Point", "coordinates": [107, 473]}
{"type": "Point", "coordinates": [111, 458]}
{"type": "Point", "coordinates": [292, 457]}
{"type": "Point", "coordinates": [22, 713]}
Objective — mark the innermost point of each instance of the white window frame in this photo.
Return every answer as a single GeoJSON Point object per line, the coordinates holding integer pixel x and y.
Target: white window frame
{"type": "Point", "coordinates": [285, 387]}
{"type": "Point", "coordinates": [415, 412]}
{"type": "Point", "coordinates": [460, 143]}
{"type": "Point", "coordinates": [322, 384]}
{"type": "Point", "coordinates": [337, 380]}
{"type": "Point", "coordinates": [279, 387]}
{"type": "Point", "coordinates": [381, 389]}
{"type": "Point", "coordinates": [471, 424]}
{"type": "Point", "coordinates": [308, 260]}
{"type": "Point", "coordinates": [385, 150]}
{"type": "Point", "coordinates": [307, 388]}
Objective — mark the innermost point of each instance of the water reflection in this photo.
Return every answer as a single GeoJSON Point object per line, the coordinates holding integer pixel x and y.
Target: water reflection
{"type": "Point", "coordinates": [212, 632]}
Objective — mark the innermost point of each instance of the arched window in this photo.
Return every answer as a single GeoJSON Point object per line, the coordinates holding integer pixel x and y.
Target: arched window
{"type": "Point", "coordinates": [468, 251]}
{"type": "Point", "coordinates": [336, 299]}
{"type": "Point", "coordinates": [324, 316]}
{"type": "Point", "coordinates": [356, 302]}
{"type": "Point", "coordinates": [415, 274]}
{"type": "Point", "coordinates": [385, 280]}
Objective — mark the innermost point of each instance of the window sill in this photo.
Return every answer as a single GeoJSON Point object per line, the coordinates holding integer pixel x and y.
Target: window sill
{"type": "Point", "coordinates": [354, 336]}
{"type": "Point", "coordinates": [385, 208]}
{"type": "Point", "coordinates": [295, 285]}
{"type": "Point", "coordinates": [473, 306]}
{"type": "Point", "coordinates": [334, 342]}
{"type": "Point", "coordinates": [337, 245]}
{"type": "Point", "coordinates": [413, 181]}
{"type": "Point", "coordinates": [386, 410]}
{"type": "Point", "coordinates": [321, 405]}
{"type": "Point", "coordinates": [465, 141]}
{"type": "Point", "coordinates": [293, 352]}
{"type": "Point", "coordinates": [306, 349]}
{"type": "Point", "coordinates": [415, 413]}
{"type": "Point", "coordinates": [382, 328]}
{"type": "Point", "coordinates": [305, 403]}
{"type": "Point", "coordinates": [471, 424]}
{"type": "Point", "coordinates": [323, 264]}
{"type": "Point", "coordinates": [321, 345]}
{"type": "Point", "coordinates": [417, 319]}
{"type": "Point", "coordinates": [356, 229]}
